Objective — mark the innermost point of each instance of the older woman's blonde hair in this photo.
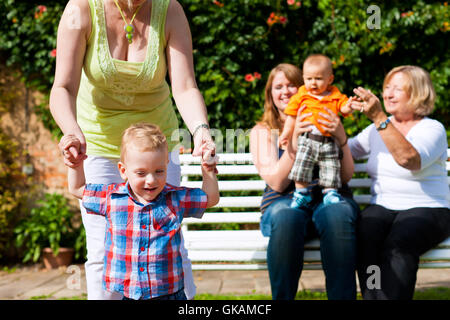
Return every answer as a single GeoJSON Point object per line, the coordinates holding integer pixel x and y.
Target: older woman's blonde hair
{"type": "Point", "coordinates": [145, 136]}
{"type": "Point", "coordinates": [419, 88]}
{"type": "Point", "coordinates": [271, 116]}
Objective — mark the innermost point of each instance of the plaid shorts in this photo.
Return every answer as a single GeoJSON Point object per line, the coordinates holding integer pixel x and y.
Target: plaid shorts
{"type": "Point", "coordinates": [325, 154]}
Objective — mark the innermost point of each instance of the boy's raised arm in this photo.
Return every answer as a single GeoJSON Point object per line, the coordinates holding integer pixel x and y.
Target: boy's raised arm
{"type": "Point", "coordinates": [76, 181]}
{"type": "Point", "coordinates": [75, 175]}
{"type": "Point", "coordinates": [210, 185]}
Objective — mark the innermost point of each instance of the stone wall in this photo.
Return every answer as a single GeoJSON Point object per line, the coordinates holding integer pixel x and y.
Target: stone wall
{"type": "Point", "coordinates": [24, 127]}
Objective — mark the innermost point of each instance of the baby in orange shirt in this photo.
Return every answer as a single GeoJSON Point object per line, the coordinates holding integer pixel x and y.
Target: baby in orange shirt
{"type": "Point", "coordinates": [317, 146]}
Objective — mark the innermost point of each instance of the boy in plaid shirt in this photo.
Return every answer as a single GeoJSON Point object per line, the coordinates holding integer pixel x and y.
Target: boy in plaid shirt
{"type": "Point", "coordinates": [144, 214]}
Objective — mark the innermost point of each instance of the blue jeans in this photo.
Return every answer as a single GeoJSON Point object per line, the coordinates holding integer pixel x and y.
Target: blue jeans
{"type": "Point", "coordinates": [179, 295]}
{"type": "Point", "coordinates": [288, 228]}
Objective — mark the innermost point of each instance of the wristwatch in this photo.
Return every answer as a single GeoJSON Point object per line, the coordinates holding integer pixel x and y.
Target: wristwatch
{"type": "Point", "coordinates": [384, 124]}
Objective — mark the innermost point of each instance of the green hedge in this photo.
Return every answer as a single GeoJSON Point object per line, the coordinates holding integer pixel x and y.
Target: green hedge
{"type": "Point", "coordinates": [237, 42]}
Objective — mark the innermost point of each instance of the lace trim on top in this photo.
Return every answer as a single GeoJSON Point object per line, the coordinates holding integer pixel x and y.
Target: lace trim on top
{"type": "Point", "coordinates": [124, 90]}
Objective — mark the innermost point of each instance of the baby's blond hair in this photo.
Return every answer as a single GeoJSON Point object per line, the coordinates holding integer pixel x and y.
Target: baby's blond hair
{"type": "Point", "coordinates": [318, 59]}
{"type": "Point", "coordinates": [144, 136]}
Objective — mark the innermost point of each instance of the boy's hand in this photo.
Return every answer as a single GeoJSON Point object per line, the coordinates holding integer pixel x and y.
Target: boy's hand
{"type": "Point", "coordinates": [70, 146]}
{"type": "Point", "coordinates": [347, 107]}
{"type": "Point", "coordinates": [209, 158]}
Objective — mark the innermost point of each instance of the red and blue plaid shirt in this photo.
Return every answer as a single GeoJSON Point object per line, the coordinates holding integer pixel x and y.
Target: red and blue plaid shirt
{"type": "Point", "coordinates": [142, 242]}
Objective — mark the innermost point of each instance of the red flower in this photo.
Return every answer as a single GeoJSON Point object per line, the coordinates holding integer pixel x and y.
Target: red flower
{"type": "Point", "coordinates": [217, 3]}
{"type": "Point", "coordinates": [39, 11]}
{"type": "Point", "coordinates": [407, 14]}
{"type": "Point", "coordinates": [41, 8]}
{"type": "Point", "coordinates": [249, 77]}
{"type": "Point", "coordinates": [53, 53]}
{"type": "Point", "coordinates": [276, 18]}
{"type": "Point", "coordinates": [257, 75]}
{"type": "Point", "coordinates": [295, 3]}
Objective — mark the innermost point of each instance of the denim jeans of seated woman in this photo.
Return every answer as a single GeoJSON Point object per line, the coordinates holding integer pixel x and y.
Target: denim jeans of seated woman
{"type": "Point", "coordinates": [288, 230]}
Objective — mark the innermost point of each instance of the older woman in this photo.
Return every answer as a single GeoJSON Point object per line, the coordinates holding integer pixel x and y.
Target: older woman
{"type": "Point", "coordinates": [409, 212]}
{"type": "Point", "coordinates": [288, 227]}
{"type": "Point", "coordinates": [111, 67]}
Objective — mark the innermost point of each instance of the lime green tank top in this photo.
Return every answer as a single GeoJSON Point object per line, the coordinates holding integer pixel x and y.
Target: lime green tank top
{"type": "Point", "coordinates": [114, 94]}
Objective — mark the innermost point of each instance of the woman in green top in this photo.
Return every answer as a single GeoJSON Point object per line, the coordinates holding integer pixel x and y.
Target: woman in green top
{"type": "Point", "coordinates": [111, 64]}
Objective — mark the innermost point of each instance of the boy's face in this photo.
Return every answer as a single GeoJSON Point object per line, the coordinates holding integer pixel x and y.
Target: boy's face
{"type": "Point", "coordinates": [146, 172]}
{"type": "Point", "coordinates": [317, 78]}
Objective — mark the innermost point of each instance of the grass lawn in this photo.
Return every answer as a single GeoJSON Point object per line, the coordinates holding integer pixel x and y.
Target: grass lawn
{"type": "Point", "coordinates": [438, 293]}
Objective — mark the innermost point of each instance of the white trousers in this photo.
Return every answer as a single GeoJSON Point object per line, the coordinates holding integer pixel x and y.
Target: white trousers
{"type": "Point", "coordinates": [104, 171]}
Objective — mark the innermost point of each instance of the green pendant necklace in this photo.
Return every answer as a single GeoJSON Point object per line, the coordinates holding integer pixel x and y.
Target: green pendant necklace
{"type": "Point", "coordinates": [129, 29]}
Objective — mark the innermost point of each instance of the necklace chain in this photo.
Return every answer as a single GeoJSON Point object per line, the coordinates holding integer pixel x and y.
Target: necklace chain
{"type": "Point", "coordinates": [129, 29]}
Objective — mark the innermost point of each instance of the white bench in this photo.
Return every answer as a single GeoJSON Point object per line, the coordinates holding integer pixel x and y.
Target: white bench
{"type": "Point", "coordinates": [246, 249]}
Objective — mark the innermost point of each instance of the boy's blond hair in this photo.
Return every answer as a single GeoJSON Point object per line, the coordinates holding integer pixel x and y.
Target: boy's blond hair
{"type": "Point", "coordinates": [144, 136]}
{"type": "Point", "coordinates": [318, 59]}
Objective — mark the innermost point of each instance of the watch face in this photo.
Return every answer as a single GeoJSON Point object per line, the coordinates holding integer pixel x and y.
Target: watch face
{"type": "Point", "coordinates": [384, 124]}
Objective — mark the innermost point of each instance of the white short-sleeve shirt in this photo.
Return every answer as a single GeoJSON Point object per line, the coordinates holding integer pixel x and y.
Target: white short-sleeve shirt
{"type": "Point", "coordinates": [397, 188]}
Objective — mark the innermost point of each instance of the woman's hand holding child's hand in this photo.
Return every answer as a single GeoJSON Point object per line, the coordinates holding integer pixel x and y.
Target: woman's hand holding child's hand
{"type": "Point", "coordinates": [209, 157]}
{"type": "Point", "coordinates": [70, 146]}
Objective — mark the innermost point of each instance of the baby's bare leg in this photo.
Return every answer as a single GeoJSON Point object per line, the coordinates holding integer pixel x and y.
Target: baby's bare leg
{"type": "Point", "coordinates": [301, 184]}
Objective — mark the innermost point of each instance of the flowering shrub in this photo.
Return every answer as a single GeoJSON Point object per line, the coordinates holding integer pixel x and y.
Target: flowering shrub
{"type": "Point", "coordinates": [234, 39]}
{"type": "Point", "coordinates": [28, 37]}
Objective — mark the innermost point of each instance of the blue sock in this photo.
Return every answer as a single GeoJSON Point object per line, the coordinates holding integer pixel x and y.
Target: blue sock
{"type": "Point", "coordinates": [303, 191]}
